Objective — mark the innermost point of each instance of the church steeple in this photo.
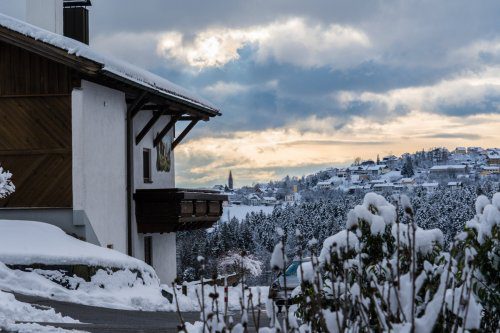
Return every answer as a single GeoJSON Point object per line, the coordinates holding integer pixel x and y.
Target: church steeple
{"type": "Point", "coordinates": [230, 180]}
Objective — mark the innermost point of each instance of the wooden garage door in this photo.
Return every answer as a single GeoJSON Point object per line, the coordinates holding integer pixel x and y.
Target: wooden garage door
{"type": "Point", "coordinates": [35, 145]}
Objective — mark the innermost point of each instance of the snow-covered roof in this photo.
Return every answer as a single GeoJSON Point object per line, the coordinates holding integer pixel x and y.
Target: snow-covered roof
{"type": "Point", "coordinates": [253, 196]}
{"type": "Point", "coordinates": [490, 168]}
{"type": "Point", "coordinates": [447, 167]}
{"type": "Point", "coordinates": [430, 184]}
{"type": "Point", "coordinates": [376, 167]}
{"type": "Point", "coordinates": [383, 185]}
{"type": "Point", "coordinates": [454, 183]}
{"type": "Point", "coordinates": [110, 66]}
{"type": "Point", "coordinates": [493, 155]}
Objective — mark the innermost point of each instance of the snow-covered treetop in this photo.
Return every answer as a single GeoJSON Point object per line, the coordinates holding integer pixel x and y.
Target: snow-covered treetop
{"type": "Point", "coordinates": [235, 261]}
{"type": "Point", "coordinates": [111, 66]}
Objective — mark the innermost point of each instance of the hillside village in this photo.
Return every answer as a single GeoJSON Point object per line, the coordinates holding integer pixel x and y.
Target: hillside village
{"type": "Point", "coordinates": [389, 175]}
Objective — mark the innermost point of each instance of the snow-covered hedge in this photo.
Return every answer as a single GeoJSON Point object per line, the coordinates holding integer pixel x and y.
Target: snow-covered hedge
{"type": "Point", "coordinates": [385, 274]}
{"type": "Point", "coordinates": [6, 185]}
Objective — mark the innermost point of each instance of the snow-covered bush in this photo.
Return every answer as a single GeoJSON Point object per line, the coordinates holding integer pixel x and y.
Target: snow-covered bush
{"type": "Point", "coordinates": [235, 262]}
{"type": "Point", "coordinates": [481, 243]}
{"type": "Point", "coordinates": [386, 274]}
{"type": "Point", "coordinates": [383, 273]}
{"type": "Point", "coordinates": [6, 185]}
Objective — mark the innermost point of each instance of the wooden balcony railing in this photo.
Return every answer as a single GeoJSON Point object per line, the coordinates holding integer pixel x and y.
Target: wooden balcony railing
{"type": "Point", "coordinates": [172, 210]}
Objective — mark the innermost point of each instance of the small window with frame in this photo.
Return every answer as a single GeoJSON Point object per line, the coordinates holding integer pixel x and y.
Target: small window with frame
{"type": "Point", "coordinates": [146, 165]}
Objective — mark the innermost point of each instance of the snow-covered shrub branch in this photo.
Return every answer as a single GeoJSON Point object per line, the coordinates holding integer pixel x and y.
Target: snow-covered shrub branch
{"type": "Point", "coordinates": [6, 185]}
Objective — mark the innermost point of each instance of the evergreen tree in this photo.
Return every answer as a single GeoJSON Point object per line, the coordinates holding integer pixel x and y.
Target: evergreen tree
{"type": "Point", "coordinates": [407, 170]}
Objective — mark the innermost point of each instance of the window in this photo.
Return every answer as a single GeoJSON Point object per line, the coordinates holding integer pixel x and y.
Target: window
{"type": "Point", "coordinates": [148, 250]}
{"type": "Point", "coordinates": [146, 165]}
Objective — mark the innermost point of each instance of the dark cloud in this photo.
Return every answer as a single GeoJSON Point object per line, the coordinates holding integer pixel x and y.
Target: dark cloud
{"type": "Point", "coordinates": [468, 136]}
{"type": "Point", "coordinates": [333, 143]}
{"type": "Point", "coordinates": [489, 104]}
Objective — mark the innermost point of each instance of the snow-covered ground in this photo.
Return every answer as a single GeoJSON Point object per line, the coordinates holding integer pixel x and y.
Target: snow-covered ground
{"type": "Point", "coordinates": [131, 284]}
{"type": "Point", "coordinates": [241, 211]}
{"type": "Point", "coordinates": [12, 311]}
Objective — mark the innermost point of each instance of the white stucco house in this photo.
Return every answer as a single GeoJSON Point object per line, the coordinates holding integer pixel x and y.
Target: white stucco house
{"type": "Point", "coordinates": [90, 139]}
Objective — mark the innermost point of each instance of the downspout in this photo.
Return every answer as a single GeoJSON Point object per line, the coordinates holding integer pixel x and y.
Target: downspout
{"type": "Point", "coordinates": [129, 181]}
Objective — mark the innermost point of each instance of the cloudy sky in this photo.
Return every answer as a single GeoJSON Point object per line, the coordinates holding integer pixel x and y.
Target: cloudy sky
{"type": "Point", "coordinates": [308, 84]}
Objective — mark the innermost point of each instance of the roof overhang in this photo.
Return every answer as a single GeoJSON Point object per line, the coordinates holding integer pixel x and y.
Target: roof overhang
{"type": "Point", "coordinates": [96, 71]}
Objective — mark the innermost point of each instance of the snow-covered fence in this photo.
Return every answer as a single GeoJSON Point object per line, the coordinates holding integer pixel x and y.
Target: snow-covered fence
{"type": "Point", "coordinates": [382, 274]}
{"type": "Point", "coordinates": [6, 185]}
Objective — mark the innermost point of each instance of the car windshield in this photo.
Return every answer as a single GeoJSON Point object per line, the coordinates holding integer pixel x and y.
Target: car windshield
{"type": "Point", "coordinates": [292, 269]}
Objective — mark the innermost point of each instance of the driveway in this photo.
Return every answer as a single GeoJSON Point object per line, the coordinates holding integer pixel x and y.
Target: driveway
{"type": "Point", "coordinates": [104, 320]}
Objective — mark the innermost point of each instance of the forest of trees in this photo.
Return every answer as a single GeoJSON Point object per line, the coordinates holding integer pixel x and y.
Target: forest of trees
{"type": "Point", "coordinates": [316, 217]}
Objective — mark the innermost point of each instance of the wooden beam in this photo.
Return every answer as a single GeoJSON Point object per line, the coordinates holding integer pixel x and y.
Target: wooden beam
{"type": "Point", "coordinates": [152, 107]}
{"type": "Point", "coordinates": [188, 118]}
{"type": "Point", "coordinates": [149, 125]}
{"type": "Point", "coordinates": [35, 95]}
{"type": "Point", "coordinates": [184, 133]}
{"type": "Point", "coordinates": [29, 152]}
{"type": "Point", "coordinates": [179, 109]}
{"type": "Point", "coordinates": [135, 107]}
{"type": "Point", "coordinates": [165, 130]}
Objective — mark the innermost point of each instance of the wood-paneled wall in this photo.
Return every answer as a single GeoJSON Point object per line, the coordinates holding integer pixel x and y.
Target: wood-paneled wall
{"type": "Point", "coordinates": [35, 129]}
{"type": "Point", "coordinates": [25, 73]}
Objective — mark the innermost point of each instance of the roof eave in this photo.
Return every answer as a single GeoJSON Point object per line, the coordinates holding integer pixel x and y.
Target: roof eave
{"type": "Point", "coordinates": [171, 97]}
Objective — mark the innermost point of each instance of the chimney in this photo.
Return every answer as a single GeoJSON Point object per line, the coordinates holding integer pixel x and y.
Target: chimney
{"type": "Point", "coordinates": [46, 14]}
{"type": "Point", "coordinates": [76, 20]}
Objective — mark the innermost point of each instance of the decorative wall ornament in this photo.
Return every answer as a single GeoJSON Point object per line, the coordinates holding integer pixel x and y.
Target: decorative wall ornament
{"type": "Point", "coordinates": [163, 160]}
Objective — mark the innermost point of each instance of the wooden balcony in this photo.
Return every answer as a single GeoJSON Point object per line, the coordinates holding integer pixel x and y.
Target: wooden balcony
{"type": "Point", "coordinates": [172, 210]}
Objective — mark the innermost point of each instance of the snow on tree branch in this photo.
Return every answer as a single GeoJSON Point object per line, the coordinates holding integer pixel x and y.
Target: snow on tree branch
{"type": "Point", "coordinates": [6, 185]}
{"type": "Point", "coordinates": [235, 261]}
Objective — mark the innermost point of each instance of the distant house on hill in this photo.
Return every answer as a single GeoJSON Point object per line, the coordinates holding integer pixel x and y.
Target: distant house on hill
{"type": "Point", "coordinates": [493, 157]}
{"type": "Point", "coordinates": [407, 181]}
{"type": "Point", "coordinates": [460, 150]}
{"type": "Point", "coordinates": [326, 184]}
{"type": "Point", "coordinates": [383, 187]}
{"type": "Point", "coordinates": [452, 171]}
{"type": "Point", "coordinates": [454, 185]}
{"type": "Point", "coordinates": [430, 186]}
{"type": "Point", "coordinates": [269, 201]}
{"type": "Point", "coordinates": [91, 139]}
{"type": "Point", "coordinates": [252, 199]}
{"type": "Point", "coordinates": [390, 161]}
{"type": "Point", "coordinates": [487, 170]}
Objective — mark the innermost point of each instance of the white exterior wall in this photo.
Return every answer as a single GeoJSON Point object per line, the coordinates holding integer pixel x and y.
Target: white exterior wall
{"type": "Point", "coordinates": [99, 161]}
{"type": "Point", "coordinates": [46, 14]}
{"type": "Point", "coordinates": [164, 247]}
